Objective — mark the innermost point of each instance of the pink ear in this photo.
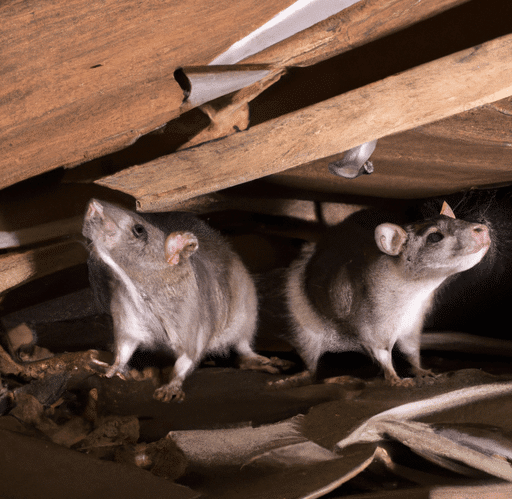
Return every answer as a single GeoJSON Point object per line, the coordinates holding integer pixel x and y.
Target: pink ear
{"type": "Point", "coordinates": [179, 244]}
{"type": "Point", "coordinates": [94, 209]}
{"type": "Point", "coordinates": [446, 210]}
{"type": "Point", "coordinates": [390, 238]}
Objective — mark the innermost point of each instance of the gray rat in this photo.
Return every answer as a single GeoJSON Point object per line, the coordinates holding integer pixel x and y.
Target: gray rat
{"type": "Point", "coordinates": [170, 281]}
{"type": "Point", "coordinates": [367, 286]}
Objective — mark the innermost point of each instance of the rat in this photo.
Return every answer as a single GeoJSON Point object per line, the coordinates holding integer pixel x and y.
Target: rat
{"type": "Point", "coordinates": [171, 282]}
{"type": "Point", "coordinates": [368, 285]}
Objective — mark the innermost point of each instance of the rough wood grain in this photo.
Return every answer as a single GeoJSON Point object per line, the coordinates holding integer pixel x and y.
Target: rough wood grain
{"type": "Point", "coordinates": [81, 78]}
{"type": "Point", "coordinates": [43, 232]}
{"type": "Point", "coordinates": [412, 164]}
{"type": "Point", "coordinates": [490, 124]}
{"type": "Point", "coordinates": [19, 268]}
{"type": "Point", "coordinates": [360, 23]}
{"type": "Point", "coordinates": [230, 113]}
{"type": "Point", "coordinates": [424, 94]}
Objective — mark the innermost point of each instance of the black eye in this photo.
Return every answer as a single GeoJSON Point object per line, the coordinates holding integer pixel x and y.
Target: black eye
{"type": "Point", "coordinates": [139, 231]}
{"type": "Point", "coordinates": [434, 237]}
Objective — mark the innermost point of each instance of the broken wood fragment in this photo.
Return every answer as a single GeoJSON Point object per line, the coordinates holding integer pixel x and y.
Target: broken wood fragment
{"type": "Point", "coordinates": [230, 113]}
{"type": "Point", "coordinates": [69, 362]}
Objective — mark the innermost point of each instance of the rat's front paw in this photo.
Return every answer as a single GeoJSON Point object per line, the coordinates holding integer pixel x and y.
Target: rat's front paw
{"type": "Point", "coordinates": [172, 391]}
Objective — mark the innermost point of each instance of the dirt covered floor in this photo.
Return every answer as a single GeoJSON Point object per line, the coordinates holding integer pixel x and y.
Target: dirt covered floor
{"type": "Point", "coordinates": [66, 430]}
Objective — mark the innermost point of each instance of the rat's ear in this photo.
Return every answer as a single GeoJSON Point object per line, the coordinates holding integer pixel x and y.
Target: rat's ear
{"type": "Point", "coordinates": [390, 238]}
{"type": "Point", "coordinates": [446, 210]}
{"type": "Point", "coordinates": [179, 244]}
{"type": "Point", "coordinates": [94, 209]}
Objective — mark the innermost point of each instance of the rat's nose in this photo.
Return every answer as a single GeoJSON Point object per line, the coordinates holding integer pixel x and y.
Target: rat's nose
{"type": "Point", "coordinates": [481, 235]}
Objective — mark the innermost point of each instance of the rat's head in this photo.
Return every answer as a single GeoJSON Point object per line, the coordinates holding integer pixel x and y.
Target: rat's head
{"type": "Point", "coordinates": [123, 235]}
{"type": "Point", "coordinates": [131, 241]}
{"type": "Point", "coordinates": [434, 248]}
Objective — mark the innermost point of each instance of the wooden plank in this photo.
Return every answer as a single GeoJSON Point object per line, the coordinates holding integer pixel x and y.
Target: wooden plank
{"type": "Point", "coordinates": [490, 124]}
{"type": "Point", "coordinates": [329, 213]}
{"type": "Point", "coordinates": [410, 165]}
{"type": "Point", "coordinates": [424, 94]}
{"type": "Point", "coordinates": [357, 25]}
{"type": "Point", "coordinates": [43, 232]}
{"type": "Point", "coordinates": [460, 152]}
{"type": "Point", "coordinates": [352, 27]}
{"type": "Point", "coordinates": [19, 268]}
{"type": "Point", "coordinates": [81, 78]}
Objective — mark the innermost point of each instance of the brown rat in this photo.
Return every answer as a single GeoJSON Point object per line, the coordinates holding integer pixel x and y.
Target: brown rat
{"type": "Point", "coordinates": [170, 281]}
{"type": "Point", "coordinates": [367, 286]}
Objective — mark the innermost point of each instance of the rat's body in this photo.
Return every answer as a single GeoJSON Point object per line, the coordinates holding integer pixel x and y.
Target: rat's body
{"type": "Point", "coordinates": [367, 286]}
{"type": "Point", "coordinates": [170, 281]}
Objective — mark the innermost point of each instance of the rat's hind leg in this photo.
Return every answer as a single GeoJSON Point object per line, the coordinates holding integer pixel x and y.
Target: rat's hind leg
{"type": "Point", "coordinates": [310, 349]}
{"type": "Point", "coordinates": [241, 329]}
{"type": "Point", "coordinates": [123, 352]}
{"type": "Point", "coordinates": [173, 390]}
{"type": "Point", "coordinates": [409, 346]}
{"type": "Point", "coordinates": [384, 359]}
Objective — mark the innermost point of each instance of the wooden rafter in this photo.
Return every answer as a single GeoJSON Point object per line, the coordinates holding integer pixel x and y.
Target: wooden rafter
{"type": "Point", "coordinates": [422, 95]}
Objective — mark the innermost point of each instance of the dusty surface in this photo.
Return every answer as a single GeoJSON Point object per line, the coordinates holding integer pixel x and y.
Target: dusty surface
{"type": "Point", "coordinates": [74, 431]}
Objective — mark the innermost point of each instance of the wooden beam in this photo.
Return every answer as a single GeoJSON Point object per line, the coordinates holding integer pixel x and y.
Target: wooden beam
{"type": "Point", "coordinates": [410, 165]}
{"type": "Point", "coordinates": [461, 152]}
{"type": "Point", "coordinates": [43, 232]}
{"type": "Point", "coordinates": [82, 78]}
{"type": "Point", "coordinates": [329, 213]}
{"type": "Point", "coordinates": [354, 26]}
{"type": "Point", "coordinates": [19, 268]}
{"type": "Point", "coordinates": [424, 94]}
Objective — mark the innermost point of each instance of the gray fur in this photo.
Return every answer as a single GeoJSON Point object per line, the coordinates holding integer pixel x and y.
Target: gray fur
{"type": "Point", "coordinates": [367, 286]}
{"type": "Point", "coordinates": [204, 304]}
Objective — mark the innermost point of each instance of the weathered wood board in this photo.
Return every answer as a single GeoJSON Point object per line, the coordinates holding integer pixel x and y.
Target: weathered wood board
{"type": "Point", "coordinates": [84, 78]}
{"type": "Point", "coordinates": [21, 267]}
{"type": "Point", "coordinates": [422, 95]}
{"type": "Point", "coordinates": [468, 150]}
{"type": "Point", "coordinates": [359, 24]}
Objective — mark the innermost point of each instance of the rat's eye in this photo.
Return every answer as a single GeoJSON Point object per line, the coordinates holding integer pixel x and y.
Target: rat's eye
{"type": "Point", "coordinates": [139, 231]}
{"type": "Point", "coordinates": [434, 237]}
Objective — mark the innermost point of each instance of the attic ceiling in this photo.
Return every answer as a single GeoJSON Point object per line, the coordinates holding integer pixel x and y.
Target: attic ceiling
{"type": "Point", "coordinates": [95, 87]}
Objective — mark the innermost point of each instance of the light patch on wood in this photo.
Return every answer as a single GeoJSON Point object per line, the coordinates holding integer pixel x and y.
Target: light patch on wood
{"type": "Point", "coordinates": [299, 16]}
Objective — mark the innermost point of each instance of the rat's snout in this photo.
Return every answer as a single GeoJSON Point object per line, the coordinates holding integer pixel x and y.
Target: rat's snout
{"type": "Point", "coordinates": [480, 234]}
